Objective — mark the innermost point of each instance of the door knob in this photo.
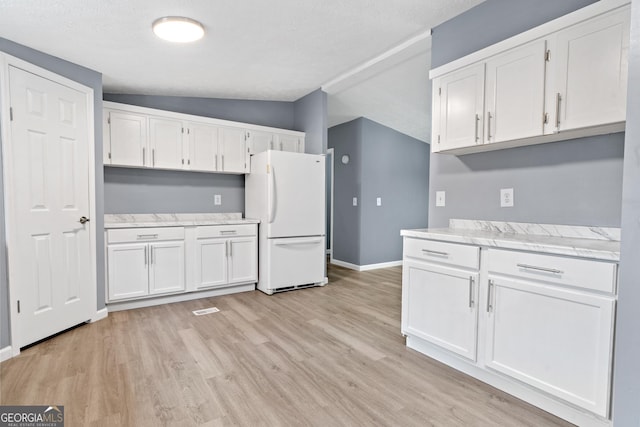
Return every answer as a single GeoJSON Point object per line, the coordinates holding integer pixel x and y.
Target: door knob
{"type": "Point", "coordinates": [84, 219]}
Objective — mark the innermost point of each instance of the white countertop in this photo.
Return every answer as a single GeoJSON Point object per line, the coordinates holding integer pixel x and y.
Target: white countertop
{"type": "Point", "coordinates": [174, 220]}
{"type": "Point", "coordinates": [587, 242]}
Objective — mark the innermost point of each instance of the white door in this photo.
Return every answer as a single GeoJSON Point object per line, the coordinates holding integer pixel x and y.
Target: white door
{"type": "Point", "coordinates": [127, 270]}
{"type": "Point", "coordinates": [461, 108]}
{"type": "Point", "coordinates": [211, 262]}
{"type": "Point", "coordinates": [128, 139]}
{"type": "Point", "coordinates": [591, 71]}
{"type": "Point", "coordinates": [166, 267]}
{"type": "Point", "coordinates": [288, 143]}
{"type": "Point", "coordinates": [51, 253]}
{"type": "Point", "coordinates": [515, 93]}
{"type": "Point", "coordinates": [259, 141]}
{"type": "Point", "coordinates": [294, 261]}
{"type": "Point", "coordinates": [440, 306]}
{"type": "Point", "coordinates": [203, 147]}
{"type": "Point", "coordinates": [296, 194]}
{"type": "Point", "coordinates": [165, 141]}
{"type": "Point", "coordinates": [243, 260]}
{"type": "Point", "coordinates": [232, 153]}
{"type": "Point", "coordinates": [557, 340]}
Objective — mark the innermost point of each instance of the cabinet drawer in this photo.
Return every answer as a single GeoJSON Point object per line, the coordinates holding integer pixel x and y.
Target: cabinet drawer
{"type": "Point", "coordinates": [121, 235]}
{"type": "Point", "coordinates": [208, 231]}
{"type": "Point", "coordinates": [587, 274]}
{"type": "Point", "coordinates": [442, 252]}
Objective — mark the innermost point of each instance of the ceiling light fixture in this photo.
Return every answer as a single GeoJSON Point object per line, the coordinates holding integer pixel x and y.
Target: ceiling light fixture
{"type": "Point", "coordinates": [178, 29]}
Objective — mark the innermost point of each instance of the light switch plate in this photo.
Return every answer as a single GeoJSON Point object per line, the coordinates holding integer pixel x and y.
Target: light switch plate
{"type": "Point", "coordinates": [217, 199]}
{"type": "Point", "coordinates": [506, 197]}
{"type": "Point", "coordinates": [378, 201]}
{"type": "Point", "coordinates": [440, 199]}
{"type": "Point", "coordinates": [355, 201]}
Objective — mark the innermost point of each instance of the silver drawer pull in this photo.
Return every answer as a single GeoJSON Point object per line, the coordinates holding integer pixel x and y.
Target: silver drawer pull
{"type": "Point", "coordinates": [228, 231]}
{"type": "Point", "coordinates": [438, 253]}
{"type": "Point", "coordinates": [147, 236]}
{"type": "Point", "coordinates": [546, 270]}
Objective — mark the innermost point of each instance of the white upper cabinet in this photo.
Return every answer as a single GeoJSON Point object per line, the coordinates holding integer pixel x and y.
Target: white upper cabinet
{"type": "Point", "coordinates": [127, 138]}
{"type": "Point", "coordinates": [148, 138]}
{"type": "Point", "coordinates": [591, 72]}
{"type": "Point", "coordinates": [564, 79]}
{"type": "Point", "coordinates": [460, 100]}
{"type": "Point", "coordinates": [202, 152]}
{"type": "Point", "coordinates": [231, 149]}
{"type": "Point", "coordinates": [166, 143]}
{"type": "Point", "coordinates": [514, 103]}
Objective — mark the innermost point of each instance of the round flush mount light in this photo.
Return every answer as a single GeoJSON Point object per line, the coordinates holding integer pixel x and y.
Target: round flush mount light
{"type": "Point", "coordinates": [178, 29]}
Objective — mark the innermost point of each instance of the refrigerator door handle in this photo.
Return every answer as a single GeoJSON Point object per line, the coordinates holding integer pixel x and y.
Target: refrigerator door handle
{"type": "Point", "coordinates": [272, 192]}
{"type": "Point", "coordinates": [303, 241]}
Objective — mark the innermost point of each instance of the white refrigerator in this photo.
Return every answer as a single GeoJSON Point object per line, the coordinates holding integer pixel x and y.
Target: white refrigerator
{"type": "Point", "coordinates": [286, 192]}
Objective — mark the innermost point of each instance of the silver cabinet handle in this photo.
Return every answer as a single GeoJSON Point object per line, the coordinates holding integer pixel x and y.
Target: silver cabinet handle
{"type": "Point", "coordinates": [477, 121]}
{"type": "Point", "coordinates": [144, 156]}
{"type": "Point", "coordinates": [226, 248]}
{"type": "Point", "coordinates": [230, 248]}
{"type": "Point", "coordinates": [151, 255]}
{"type": "Point", "coordinates": [489, 305]}
{"type": "Point", "coordinates": [280, 145]}
{"type": "Point", "coordinates": [271, 144]}
{"type": "Point", "coordinates": [471, 282]}
{"type": "Point", "coordinates": [147, 236]}
{"type": "Point", "coordinates": [223, 162]}
{"type": "Point", "coordinates": [488, 126]}
{"type": "Point", "coordinates": [228, 231]}
{"type": "Point", "coordinates": [545, 269]}
{"type": "Point", "coordinates": [215, 161]}
{"type": "Point", "coordinates": [298, 149]}
{"type": "Point", "coordinates": [437, 253]}
{"type": "Point", "coordinates": [145, 256]}
{"type": "Point", "coordinates": [153, 157]}
{"type": "Point", "coordinates": [558, 99]}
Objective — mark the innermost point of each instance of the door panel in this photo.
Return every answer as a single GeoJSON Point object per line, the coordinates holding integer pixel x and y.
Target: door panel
{"type": "Point", "coordinates": [165, 137]}
{"type": "Point", "coordinates": [232, 153]}
{"type": "Point", "coordinates": [211, 263]}
{"type": "Point", "coordinates": [243, 260]}
{"type": "Point", "coordinates": [128, 270]}
{"type": "Point", "coordinates": [203, 147]}
{"type": "Point", "coordinates": [166, 267]}
{"type": "Point", "coordinates": [295, 261]}
{"type": "Point", "coordinates": [128, 133]}
{"type": "Point", "coordinates": [51, 254]}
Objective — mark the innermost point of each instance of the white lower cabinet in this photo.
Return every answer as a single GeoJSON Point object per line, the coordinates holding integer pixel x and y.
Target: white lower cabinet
{"type": "Point", "coordinates": [149, 262]}
{"type": "Point", "coordinates": [441, 306]}
{"type": "Point", "coordinates": [538, 326]}
{"type": "Point", "coordinates": [147, 267]}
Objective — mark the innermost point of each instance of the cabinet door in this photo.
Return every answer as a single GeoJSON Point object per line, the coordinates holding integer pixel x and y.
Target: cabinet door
{"type": "Point", "coordinates": [211, 262]}
{"type": "Point", "coordinates": [461, 108]}
{"type": "Point", "coordinates": [128, 133]}
{"type": "Point", "coordinates": [591, 71]}
{"type": "Point", "coordinates": [288, 143]}
{"type": "Point", "coordinates": [166, 267]}
{"type": "Point", "coordinates": [555, 339]}
{"type": "Point", "coordinates": [203, 147]}
{"type": "Point", "coordinates": [439, 305]}
{"type": "Point", "coordinates": [127, 270]}
{"type": "Point", "coordinates": [243, 260]}
{"type": "Point", "coordinates": [515, 93]}
{"type": "Point", "coordinates": [165, 138]}
{"type": "Point", "coordinates": [232, 153]}
{"type": "Point", "coordinates": [259, 141]}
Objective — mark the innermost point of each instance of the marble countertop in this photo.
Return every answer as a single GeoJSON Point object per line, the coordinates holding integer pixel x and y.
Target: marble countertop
{"type": "Point", "coordinates": [587, 242]}
{"type": "Point", "coordinates": [174, 220]}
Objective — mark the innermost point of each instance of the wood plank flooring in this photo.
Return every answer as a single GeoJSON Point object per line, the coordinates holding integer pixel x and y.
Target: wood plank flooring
{"type": "Point", "coordinates": [330, 356]}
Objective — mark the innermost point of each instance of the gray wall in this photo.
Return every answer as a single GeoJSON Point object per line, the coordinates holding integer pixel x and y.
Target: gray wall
{"type": "Point", "coordinates": [572, 182]}
{"type": "Point", "coordinates": [384, 163]}
{"type": "Point", "coordinates": [346, 139]}
{"type": "Point", "coordinates": [310, 114]}
{"type": "Point", "coordinates": [156, 191]}
{"type": "Point", "coordinates": [93, 80]}
{"type": "Point", "coordinates": [626, 384]}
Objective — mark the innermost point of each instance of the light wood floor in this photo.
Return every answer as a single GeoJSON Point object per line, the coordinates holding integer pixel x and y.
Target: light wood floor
{"type": "Point", "coordinates": [330, 356]}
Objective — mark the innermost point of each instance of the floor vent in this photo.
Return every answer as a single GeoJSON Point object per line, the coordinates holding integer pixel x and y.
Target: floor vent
{"type": "Point", "coordinates": [205, 311]}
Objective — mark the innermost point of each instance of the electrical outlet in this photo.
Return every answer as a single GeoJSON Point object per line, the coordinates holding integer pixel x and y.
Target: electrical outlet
{"type": "Point", "coordinates": [217, 199]}
{"type": "Point", "coordinates": [378, 201]}
{"type": "Point", "coordinates": [355, 201]}
{"type": "Point", "coordinates": [440, 198]}
{"type": "Point", "coordinates": [506, 197]}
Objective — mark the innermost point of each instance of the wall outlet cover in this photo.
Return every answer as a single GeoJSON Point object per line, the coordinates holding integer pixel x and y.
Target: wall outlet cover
{"type": "Point", "coordinates": [378, 201]}
{"type": "Point", "coordinates": [217, 199]}
{"type": "Point", "coordinates": [440, 199]}
{"type": "Point", "coordinates": [355, 201]}
{"type": "Point", "coordinates": [506, 197]}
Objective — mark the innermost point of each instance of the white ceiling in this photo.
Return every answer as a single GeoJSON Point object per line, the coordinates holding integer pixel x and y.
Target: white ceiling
{"type": "Point", "coordinates": [253, 49]}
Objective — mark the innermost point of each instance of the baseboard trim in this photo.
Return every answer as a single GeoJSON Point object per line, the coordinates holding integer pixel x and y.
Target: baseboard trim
{"type": "Point", "coordinates": [6, 353]}
{"type": "Point", "coordinates": [150, 302]}
{"type": "Point", "coordinates": [366, 267]}
{"type": "Point", "coordinates": [100, 314]}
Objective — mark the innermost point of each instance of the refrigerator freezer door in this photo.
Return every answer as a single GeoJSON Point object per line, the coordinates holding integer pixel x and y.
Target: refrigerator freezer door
{"type": "Point", "coordinates": [293, 262]}
{"type": "Point", "coordinates": [296, 194]}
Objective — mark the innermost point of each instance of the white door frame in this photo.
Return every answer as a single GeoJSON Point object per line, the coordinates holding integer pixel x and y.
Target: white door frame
{"type": "Point", "coordinates": [7, 167]}
{"type": "Point", "coordinates": [333, 161]}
